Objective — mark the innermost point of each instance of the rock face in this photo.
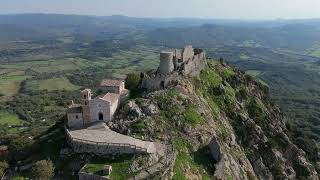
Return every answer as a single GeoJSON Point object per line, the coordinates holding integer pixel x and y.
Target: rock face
{"type": "Point", "coordinates": [134, 109]}
{"type": "Point", "coordinates": [222, 125]}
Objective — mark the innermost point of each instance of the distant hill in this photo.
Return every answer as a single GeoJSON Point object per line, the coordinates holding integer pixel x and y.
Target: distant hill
{"type": "Point", "coordinates": [294, 36]}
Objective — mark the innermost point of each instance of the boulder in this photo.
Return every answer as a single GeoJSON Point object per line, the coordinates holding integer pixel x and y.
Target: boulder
{"type": "Point", "coordinates": [151, 109]}
{"type": "Point", "coordinates": [134, 109]}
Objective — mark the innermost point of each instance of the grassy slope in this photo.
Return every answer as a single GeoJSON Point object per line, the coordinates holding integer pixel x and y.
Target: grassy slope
{"type": "Point", "coordinates": [9, 84]}
{"type": "Point", "coordinates": [9, 118]}
{"type": "Point", "coordinates": [120, 166]}
{"type": "Point", "coordinates": [293, 80]}
{"type": "Point", "coordinates": [61, 83]}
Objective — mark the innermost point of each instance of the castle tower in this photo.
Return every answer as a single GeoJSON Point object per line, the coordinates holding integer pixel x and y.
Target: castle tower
{"type": "Point", "coordinates": [166, 62]}
{"type": "Point", "coordinates": [86, 97]}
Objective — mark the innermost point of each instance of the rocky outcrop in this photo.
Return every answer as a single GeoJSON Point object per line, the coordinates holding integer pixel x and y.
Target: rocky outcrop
{"type": "Point", "coordinates": [163, 167]}
{"type": "Point", "coordinates": [222, 125]}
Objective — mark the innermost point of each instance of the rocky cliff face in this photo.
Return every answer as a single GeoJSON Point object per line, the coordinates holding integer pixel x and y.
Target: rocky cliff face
{"type": "Point", "coordinates": [222, 125]}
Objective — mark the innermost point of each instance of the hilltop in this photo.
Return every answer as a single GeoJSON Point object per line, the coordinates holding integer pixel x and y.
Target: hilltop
{"type": "Point", "coordinates": [223, 125]}
{"type": "Point", "coordinates": [219, 124]}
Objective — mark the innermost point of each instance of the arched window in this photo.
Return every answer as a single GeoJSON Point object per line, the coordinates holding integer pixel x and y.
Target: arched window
{"type": "Point", "coordinates": [85, 103]}
{"type": "Point", "coordinates": [100, 116]}
{"type": "Point", "coordinates": [84, 96]}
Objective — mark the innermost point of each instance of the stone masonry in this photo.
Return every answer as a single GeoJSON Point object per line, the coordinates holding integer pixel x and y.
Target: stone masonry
{"type": "Point", "coordinates": [100, 108]}
{"type": "Point", "coordinates": [174, 66]}
{"type": "Point", "coordinates": [101, 140]}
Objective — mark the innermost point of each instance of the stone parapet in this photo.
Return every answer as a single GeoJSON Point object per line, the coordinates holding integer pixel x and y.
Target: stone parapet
{"type": "Point", "coordinates": [83, 141]}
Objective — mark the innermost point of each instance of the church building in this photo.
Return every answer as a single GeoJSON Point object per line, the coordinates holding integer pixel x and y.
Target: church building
{"type": "Point", "coordinates": [100, 108]}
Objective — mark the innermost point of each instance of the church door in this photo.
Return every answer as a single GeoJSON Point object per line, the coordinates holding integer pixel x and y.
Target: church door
{"type": "Point", "coordinates": [100, 117]}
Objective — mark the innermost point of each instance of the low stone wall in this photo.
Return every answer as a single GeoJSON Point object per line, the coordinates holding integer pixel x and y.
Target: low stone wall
{"type": "Point", "coordinates": [102, 149]}
{"type": "Point", "coordinates": [83, 146]}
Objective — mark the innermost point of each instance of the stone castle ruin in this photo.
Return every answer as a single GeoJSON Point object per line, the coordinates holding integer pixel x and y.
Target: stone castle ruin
{"type": "Point", "coordinates": [174, 65]}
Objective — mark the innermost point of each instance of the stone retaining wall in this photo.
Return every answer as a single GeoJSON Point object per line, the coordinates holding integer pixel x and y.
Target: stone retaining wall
{"type": "Point", "coordinates": [83, 146]}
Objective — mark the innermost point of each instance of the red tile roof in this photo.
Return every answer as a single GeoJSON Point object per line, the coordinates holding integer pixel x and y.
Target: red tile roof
{"type": "Point", "coordinates": [110, 97]}
{"type": "Point", "coordinates": [111, 82]}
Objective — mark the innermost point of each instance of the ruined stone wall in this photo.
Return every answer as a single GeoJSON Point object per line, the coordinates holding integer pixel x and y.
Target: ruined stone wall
{"type": "Point", "coordinates": [177, 54]}
{"type": "Point", "coordinates": [99, 106]}
{"type": "Point", "coordinates": [187, 53]}
{"type": "Point", "coordinates": [159, 81]}
{"type": "Point", "coordinates": [192, 67]}
{"type": "Point", "coordinates": [74, 122]}
{"type": "Point", "coordinates": [195, 65]}
{"type": "Point", "coordinates": [174, 65]}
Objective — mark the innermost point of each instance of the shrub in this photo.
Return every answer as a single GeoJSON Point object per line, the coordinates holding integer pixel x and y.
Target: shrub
{"type": "Point", "coordinates": [3, 166]}
{"type": "Point", "coordinates": [254, 109]}
{"type": "Point", "coordinates": [168, 103]}
{"type": "Point", "coordinates": [227, 73]}
{"type": "Point", "coordinates": [243, 93]}
{"type": "Point", "coordinates": [43, 170]}
{"type": "Point", "coordinates": [139, 125]}
{"type": "Point", "coordinates": [132, 81]}
{"type": "Point", "coordinates": [192, 117]}
{"type": "Point", "coordinates": [211, 77]}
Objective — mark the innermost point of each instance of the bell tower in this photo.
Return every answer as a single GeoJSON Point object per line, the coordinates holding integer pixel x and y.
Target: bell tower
{"type": "Point", "coordinates": [85, 99]}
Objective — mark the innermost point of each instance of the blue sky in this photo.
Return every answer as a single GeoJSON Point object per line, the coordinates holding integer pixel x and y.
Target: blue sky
{"type": "Point", "coordinates": [226, 9]}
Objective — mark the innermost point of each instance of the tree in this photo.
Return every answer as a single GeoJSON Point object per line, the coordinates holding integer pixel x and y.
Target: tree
{"type": "Point", "coordinates": [3, 166]}
{"type": "Point", "coordinates": [19, 144]}
{"type": "Point", "coordinates": [43, 170]}
{"type": "Point", "coordinates": [132, 81]}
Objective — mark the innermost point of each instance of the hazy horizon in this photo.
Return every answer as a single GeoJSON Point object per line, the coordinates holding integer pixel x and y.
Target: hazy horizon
{"type": "Point", "coordinates": [204, 9]}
